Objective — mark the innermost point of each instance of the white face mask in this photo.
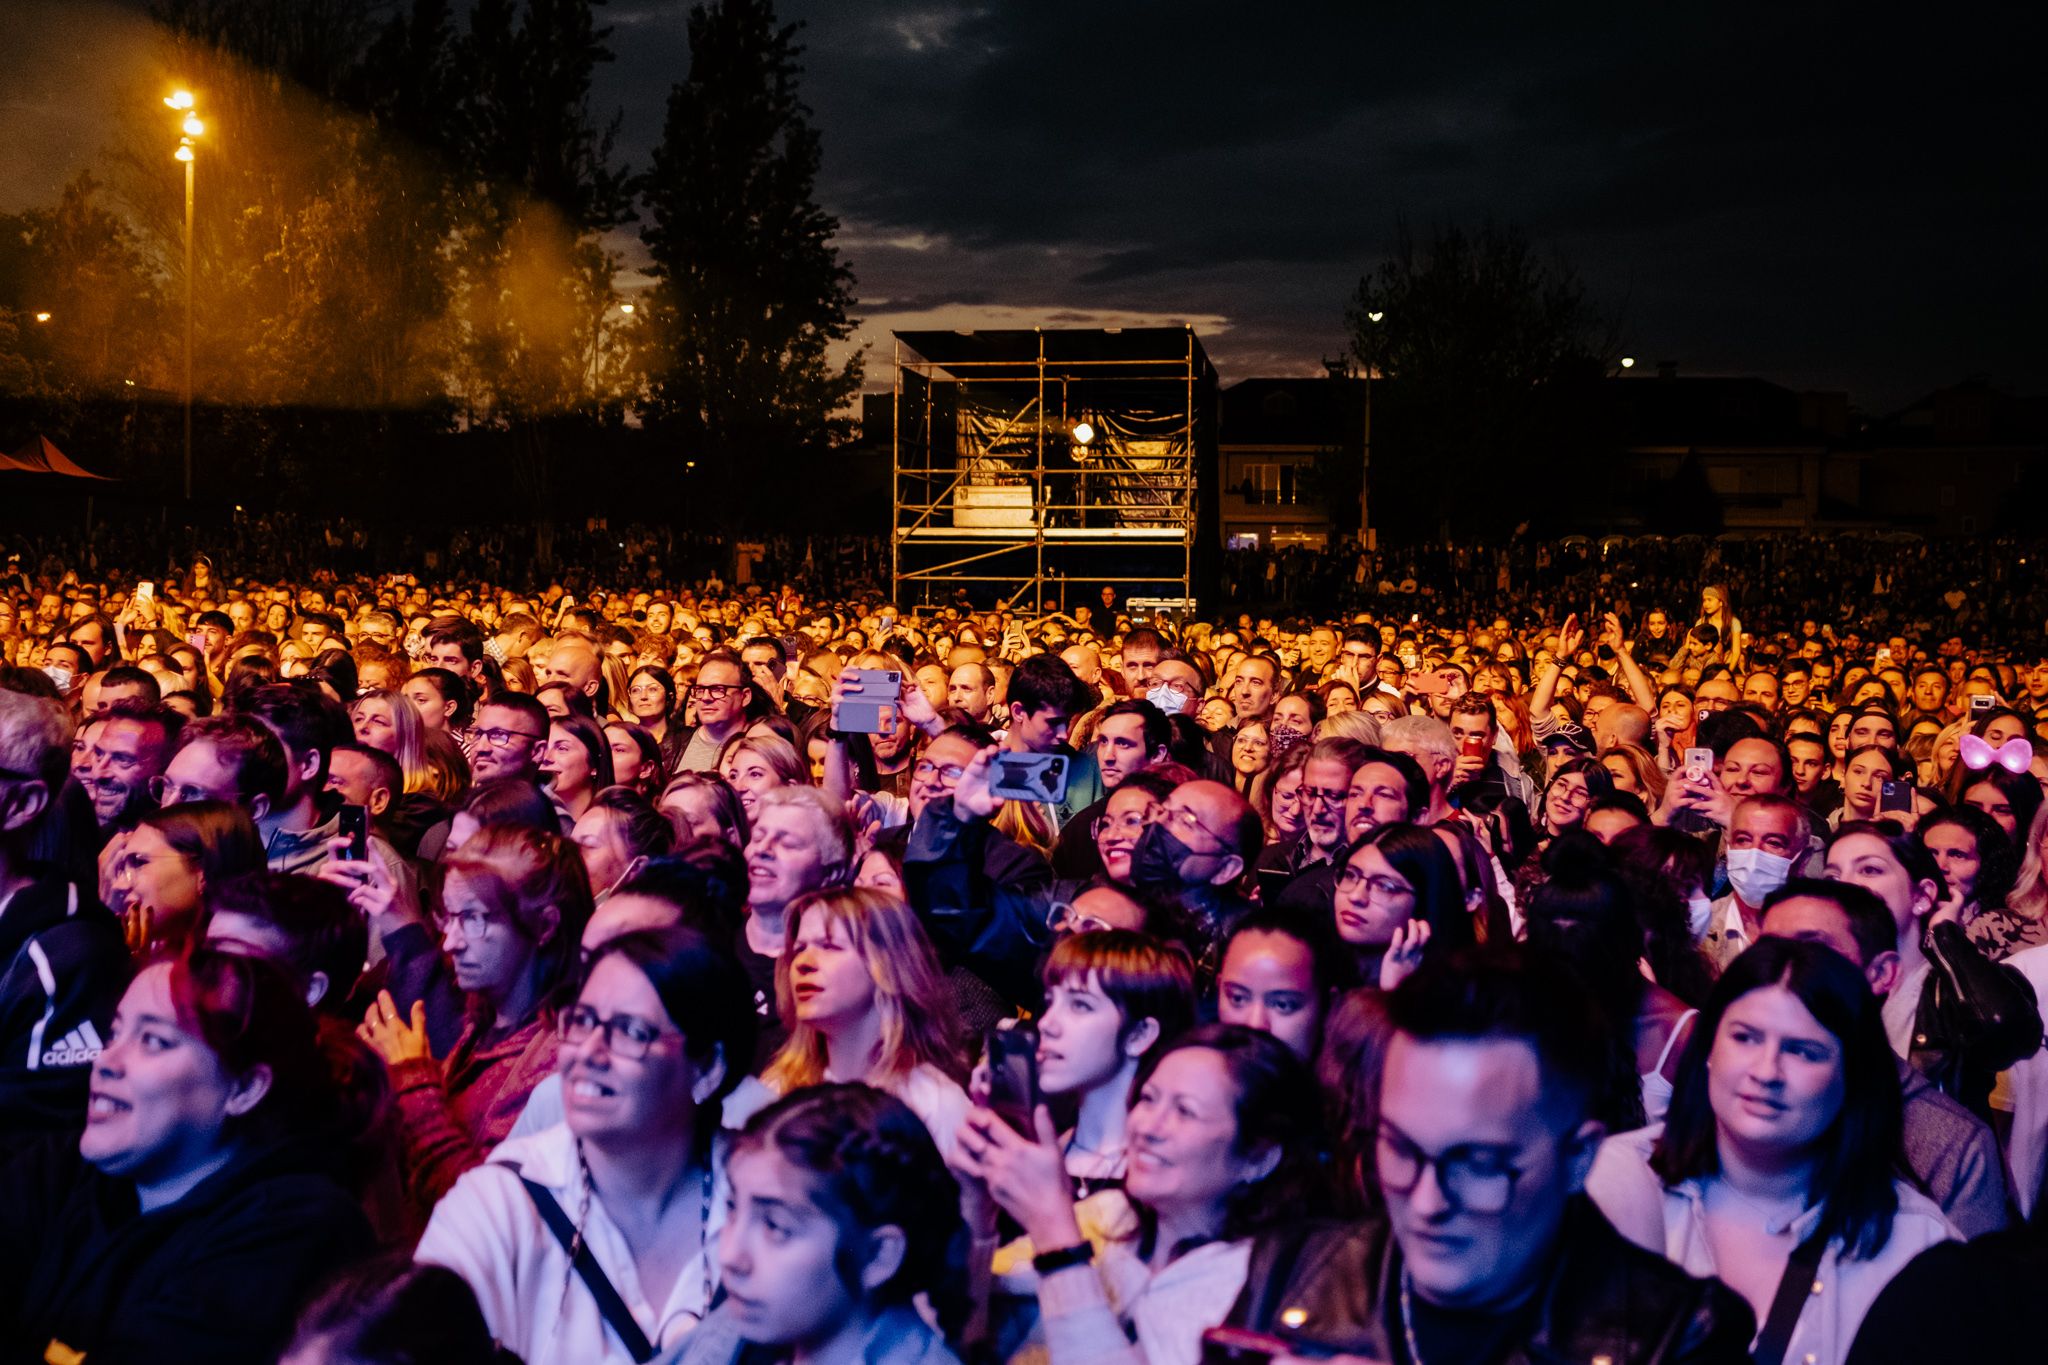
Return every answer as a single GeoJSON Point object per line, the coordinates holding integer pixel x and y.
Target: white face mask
{"type": "Point", "coordinates": [1166, 699]}
{"type": "Point", "coordinates": [1699, 913]}
{"type": "Point", "coordinates": [1755, 874]}
{"type": "Point", "coordinates": [59, 675]}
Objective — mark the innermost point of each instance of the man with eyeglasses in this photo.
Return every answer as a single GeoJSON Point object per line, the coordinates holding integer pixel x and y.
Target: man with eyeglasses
{"type": "Point", "coordinates": [225, 758]}
{"type": "Point", "coordinates": [63, 964]}
{"type": "Point", "coordinates": [508, 732]}
{"type": "Point", "coordinates": [720, 696]}
{"type": "Point", "coordinates": [1489, 1250]}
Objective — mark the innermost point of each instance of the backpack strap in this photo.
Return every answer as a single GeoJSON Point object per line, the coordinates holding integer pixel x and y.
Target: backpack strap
{"type": "Point", "coordinates": [609, 1305]}
{"type": "Point", "coordinates": [1794, 1288]}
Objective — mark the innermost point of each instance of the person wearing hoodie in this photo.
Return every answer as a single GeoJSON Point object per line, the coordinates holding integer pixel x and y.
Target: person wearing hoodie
{"type": "Point", "coordinates": [209, 1193]}
{"type": "Point", "coordinates": [63, 964]}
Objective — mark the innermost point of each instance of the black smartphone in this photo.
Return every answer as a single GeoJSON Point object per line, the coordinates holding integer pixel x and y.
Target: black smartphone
{"type": "Point", "coordinates": [1013, 1077]}
{"type": "Point", "coordinates": [1894, 795]}
{"type": "Point", "coordinates": [355, 827]}
{"type": "Point", "coordinates": [1028, 777]}
{"type": "Point", "coordinates": [874, 693]}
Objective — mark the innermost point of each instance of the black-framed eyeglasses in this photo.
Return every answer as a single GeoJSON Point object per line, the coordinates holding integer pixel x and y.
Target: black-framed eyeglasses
{"type": "Point", "coordinates": [502, 739]}
{"type": "Point", "coordinates": [1476, 1179]}
{"type": "Point", "coordinates": [1351, 879]}
{"type": "Point", "coordinates": [926, 770]}
{"type": "Point", "coordinates": [714, 691]}
{"type": "Point", "coordinates": [624, 1035]}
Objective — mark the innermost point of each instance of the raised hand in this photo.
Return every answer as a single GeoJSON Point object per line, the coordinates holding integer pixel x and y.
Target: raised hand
{"type": "Point", "coordinates": [1404, 953]}
{"type": "Point", "coordinates": [393, 1038]}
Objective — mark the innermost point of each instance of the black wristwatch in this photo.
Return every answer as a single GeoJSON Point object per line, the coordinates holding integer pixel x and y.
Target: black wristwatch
{"type": "Point", "coordinates": [1063, 1258]}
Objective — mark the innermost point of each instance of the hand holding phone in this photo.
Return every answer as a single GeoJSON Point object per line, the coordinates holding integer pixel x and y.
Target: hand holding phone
{"type": "Point", "coordinates": [1699, 764]}
{"type": "Point", "coordinates": [866, 700]}
{"type": "Point", "coordinates": [1028, 777]}
{"type": "Point", "coordinates": [355, 827]}
{"type": "Point", "coordinates": [1013, 1094]}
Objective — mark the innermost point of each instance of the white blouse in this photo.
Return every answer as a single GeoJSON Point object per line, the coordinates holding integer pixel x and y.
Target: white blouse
{"type": "Point", "coordinates": [1673, 1222]}
{"type": "Point", "coordinates": [488, 1231]}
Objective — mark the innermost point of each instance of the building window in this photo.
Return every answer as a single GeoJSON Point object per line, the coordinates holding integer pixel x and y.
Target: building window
{"type": "Point", "coordinates": [1271, 485]}
{"type": "Point", "coordinates": [1242, 540]}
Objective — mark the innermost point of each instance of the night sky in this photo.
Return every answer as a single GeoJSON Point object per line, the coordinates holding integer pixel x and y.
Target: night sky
{"type": "Point", "coordinates": [1812, 194]}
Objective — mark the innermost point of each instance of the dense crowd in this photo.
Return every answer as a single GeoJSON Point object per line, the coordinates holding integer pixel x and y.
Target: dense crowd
{"type": "Point", "coordinates": [1550, 965]}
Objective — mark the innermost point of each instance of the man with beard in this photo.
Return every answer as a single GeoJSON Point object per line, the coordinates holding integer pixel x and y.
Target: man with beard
{"type": "Point", "coordinates": [127, 752]}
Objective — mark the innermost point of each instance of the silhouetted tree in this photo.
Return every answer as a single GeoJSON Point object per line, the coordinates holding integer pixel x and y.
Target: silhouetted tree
{"type": "Point", "coordinates": [750, 292]}
{"type": "Point", "coordinates": [1487, 346]}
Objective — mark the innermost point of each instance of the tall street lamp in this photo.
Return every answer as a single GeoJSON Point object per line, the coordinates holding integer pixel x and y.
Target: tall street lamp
{"type": "Point", "coordinates": [180, 101]}
{"type": "Point", "coordinates": [1365, 475]}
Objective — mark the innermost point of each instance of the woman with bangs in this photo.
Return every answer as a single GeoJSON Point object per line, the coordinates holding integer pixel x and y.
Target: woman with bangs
{"type": "Point", "coordinates": [468, 1031]}
{"type": "Point", "coordinates": [863, 998]}
{"type": "Point", "coordinates": [1112, 996]}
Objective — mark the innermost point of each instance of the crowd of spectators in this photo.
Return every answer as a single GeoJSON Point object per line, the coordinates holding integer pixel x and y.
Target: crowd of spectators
{"type": "Point", "coordinates": [1558, 951]}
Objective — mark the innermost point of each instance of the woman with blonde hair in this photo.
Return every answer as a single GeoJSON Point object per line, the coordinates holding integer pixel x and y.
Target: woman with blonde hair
{"type": "Point", "coordinates": [1636, 772]}
{"type": "Point", "coordinates": [757, 761]}
{"type": "Point", "coordinates": [861, 992]}
{"type": "Point", "coordinates": [1362, 726]}
{"type": "Point", "coordinates": [389, 723]}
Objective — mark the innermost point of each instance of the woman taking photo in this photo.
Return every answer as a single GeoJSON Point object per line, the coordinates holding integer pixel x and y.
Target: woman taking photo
{"type": "Point", "coordinates": [1222, 1135]}
{"type": "Point", "coordinates": [576, 764]}
{"type": "Point", "coordinates": [201, 1204]}
{"type": "Point", "coordinates": [1398, 894]}
{"type": "Point", "coordinates": [863, 998]}
{"type": "Point", "coordinates": [845, 1229]}
{"type": "Point", "coordinates": [1866, 772]}
{"type": "Point", "coordinates": [483, 1001]}
{"type": "Point", "coordinates": [1776, 1165]}
{"type": "Point", "coordinates": [655, 1042]}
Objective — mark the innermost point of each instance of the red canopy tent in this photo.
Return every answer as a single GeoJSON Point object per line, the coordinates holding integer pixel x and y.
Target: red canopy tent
{"type": "Point", "coordinates": [39, 456]}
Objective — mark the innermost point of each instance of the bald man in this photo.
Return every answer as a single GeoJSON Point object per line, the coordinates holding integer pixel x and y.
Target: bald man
{"type": "Point", "coordinates": [572, 662]}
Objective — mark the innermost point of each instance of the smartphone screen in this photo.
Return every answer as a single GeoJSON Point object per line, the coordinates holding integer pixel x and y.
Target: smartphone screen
{"type": "Point", "coordinates": [1028, 777]}
{"type": "Point", "coordinates": [355, 827]}
{"type": "Point", "coordinates": [1013, 1077]}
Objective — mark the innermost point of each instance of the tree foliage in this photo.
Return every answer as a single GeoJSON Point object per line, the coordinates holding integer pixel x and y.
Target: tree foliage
{"type": "Point", "coordinates": [1484, 343]}
{"type": "Point", "coordinates": [750, 292]}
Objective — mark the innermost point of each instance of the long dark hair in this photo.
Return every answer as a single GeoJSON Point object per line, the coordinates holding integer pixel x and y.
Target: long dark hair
{"type": "Point", "coordinates": [1857, 1156]}
{"type": "Point", "coordinates": [1583, 912]}
{"type": "Point", "coordinates": [389, 1311]}
{"type": "Point", "coordinates": [1425, 864]}
{"type": "Point", "coordinates": [1997, 863]}
{"type": "Point", "coordinates": [873, 1164]}
{"type": "Point", "coordinates": [597, 747]}
{"type": "Point", "coordinates": [1276, 1106]}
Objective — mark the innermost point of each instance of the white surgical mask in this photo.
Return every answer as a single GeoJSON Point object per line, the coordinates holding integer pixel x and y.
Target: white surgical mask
{"type": "Point", "coordinates": [1166, 699]}
{"type": "Point", "coordinates": [1755, 874]}
{"type": "Point", "coordinates": [1699, 914]}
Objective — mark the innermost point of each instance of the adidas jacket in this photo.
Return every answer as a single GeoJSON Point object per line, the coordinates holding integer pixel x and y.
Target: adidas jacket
{"type": "Point", "coordinates": [63, 966]}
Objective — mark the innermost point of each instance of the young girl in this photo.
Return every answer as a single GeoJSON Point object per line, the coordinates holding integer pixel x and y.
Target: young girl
{"type": "Point", "coordinates": [861, 993]}
{"type": "Point", "coordinates": [1112, 996]}
{"type": "Point", "coordinates": [841, 1215]}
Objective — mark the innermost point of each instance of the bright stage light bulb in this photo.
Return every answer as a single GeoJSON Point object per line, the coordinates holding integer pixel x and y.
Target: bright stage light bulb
{"type": "Point", "coordinates": [1083, 433]}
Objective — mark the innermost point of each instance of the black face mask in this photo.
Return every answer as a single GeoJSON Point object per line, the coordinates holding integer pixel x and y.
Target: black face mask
{"type": "Point", "coordinates": [1157, 859]}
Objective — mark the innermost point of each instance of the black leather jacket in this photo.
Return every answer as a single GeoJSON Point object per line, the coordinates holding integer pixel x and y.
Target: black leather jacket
{"type": "Point", "coordinates": [1976, 1018]}
{"type": "Point", "coordinates": [1338, 1286]}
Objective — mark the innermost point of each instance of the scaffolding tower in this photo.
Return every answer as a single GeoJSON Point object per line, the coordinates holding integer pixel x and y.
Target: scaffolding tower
{"type": "Point", "coordinates": [1027, 461]}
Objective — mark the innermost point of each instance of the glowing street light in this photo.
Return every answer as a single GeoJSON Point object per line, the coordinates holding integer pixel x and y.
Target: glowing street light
{"type": "Point", "coordinates": [1628, 362]}
{"type": "Point", "coordinates": [42, 317]}
{"type": "Point", "coordinates": [627, 309]}
{"type": "Point", "coordinates": [181, 101]}
{"type": "Point", "coordinates": [1374, 317]}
